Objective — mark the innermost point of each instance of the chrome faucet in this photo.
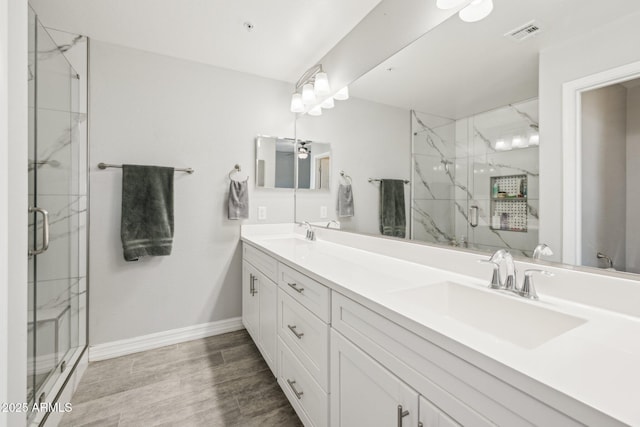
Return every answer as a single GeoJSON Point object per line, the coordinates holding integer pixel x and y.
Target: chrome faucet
{"type": "Point", "coordinates": [607, 258]}
{"type": "Point", "coordinates": [498, 257]}
{"type": "Point", "coordinates": [333, 221]}
{"type": "Point", "coordinates": [542, 250]}
{"type": "Point", "coordinates": [311, 235]}
{"type": "Point", "coordinates": [528, 290]}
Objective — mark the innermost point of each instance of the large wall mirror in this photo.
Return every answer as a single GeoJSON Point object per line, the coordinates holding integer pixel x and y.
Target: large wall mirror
{"type": "Point", "coordinates": [457, 139]}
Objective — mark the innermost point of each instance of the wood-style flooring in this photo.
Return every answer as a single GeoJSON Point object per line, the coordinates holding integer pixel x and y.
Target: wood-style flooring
{"type": "Point", "coordinates": [216, 381]}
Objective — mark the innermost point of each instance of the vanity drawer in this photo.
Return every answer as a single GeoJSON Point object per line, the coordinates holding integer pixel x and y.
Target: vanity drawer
{"type": "Point", "coordinates": [307, 336]}
{"type": "Point", "coordinates": [263, 262]}
{"type": "Point", "coordinates": [307, 397]}
{"type": "Point", "coordinates": [474, 396]}
{"type": "Point", "coordinates": [311, 294]}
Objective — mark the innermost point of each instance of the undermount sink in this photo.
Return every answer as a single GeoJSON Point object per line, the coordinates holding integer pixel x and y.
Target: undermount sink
{"type": "Point", "coordinates": [503, 316]}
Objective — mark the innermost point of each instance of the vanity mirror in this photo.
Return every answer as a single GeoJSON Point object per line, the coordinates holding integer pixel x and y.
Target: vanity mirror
{"type": "Point", "coordinates": [475, 125]}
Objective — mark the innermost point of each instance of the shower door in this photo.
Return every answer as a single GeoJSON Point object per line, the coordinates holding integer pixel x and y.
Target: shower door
{"type": "Point", "coordinates": [57, 212]}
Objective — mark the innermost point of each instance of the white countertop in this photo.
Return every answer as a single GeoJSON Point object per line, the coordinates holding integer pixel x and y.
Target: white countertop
{"type": "Point", "coordinates": [596, 363]}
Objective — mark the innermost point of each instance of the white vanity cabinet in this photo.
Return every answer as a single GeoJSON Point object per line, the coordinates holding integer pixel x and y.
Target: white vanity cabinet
{"type": "Point", "coordinates": [431, 416]}
{"type": "Point", "coordinates": [364, 393]}
{"type": "Point", "coordinates": [260, 303]}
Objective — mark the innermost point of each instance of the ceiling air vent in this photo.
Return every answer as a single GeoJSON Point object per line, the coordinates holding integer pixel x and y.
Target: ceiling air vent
{"type": "Point", "coordinates": [525, 31]}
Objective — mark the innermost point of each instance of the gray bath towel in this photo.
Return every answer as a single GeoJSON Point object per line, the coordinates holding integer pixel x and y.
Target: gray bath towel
{"type": "Point", "coordinates": [147, 211]}
{"type": "Point", "coordinates": [345, 200]}
{"type": "Point", "coordinates": [392, 215]}
{"type": "Point", "coordinates": [238, 200]}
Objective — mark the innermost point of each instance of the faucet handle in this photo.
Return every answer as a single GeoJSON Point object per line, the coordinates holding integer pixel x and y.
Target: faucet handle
{"type": "Point", "coordinates": [496, 281]}
{"type": "Point", "coordinates": [528, 289]}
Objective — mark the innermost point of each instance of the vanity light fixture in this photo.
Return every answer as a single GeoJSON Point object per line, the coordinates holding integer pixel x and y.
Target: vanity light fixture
{"type": "Point", "coordinates": [308, 95]}
{"type": "Point", "coordinates": [312, 92]}
{"type": "Point", "coordinates": [502, 145]}
{"type": "Point", "coordinates": [297, 106]}
{"type": "Point", "coordinates": [342, 94]}
{"type": "Point", "coordinates": [328, 103]}
{"type": "Point", "coordinates": [475, 11]}
{"type": "Point", "coordinates": [534, 139]}
{"type": "Point", "coordinates": [316, 111]}
{"type": "Point", "coordinates": [519, 142]}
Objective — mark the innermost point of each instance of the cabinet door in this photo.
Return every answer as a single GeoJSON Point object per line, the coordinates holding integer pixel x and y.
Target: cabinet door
{"type": "Point", "coordinates": [268, 320]}
{"type": "Point", "coordinates": [250, 300]}
{"type": "Point", "coordinates": [431, 416]}
{"type": "Point", "coordinates": [364, 393]}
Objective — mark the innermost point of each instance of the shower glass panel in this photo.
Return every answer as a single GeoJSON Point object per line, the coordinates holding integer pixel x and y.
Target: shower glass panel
{"type": "Point", "coordinates": [57, 264]}
{"type": "Point", "coordinates": [456, 164]}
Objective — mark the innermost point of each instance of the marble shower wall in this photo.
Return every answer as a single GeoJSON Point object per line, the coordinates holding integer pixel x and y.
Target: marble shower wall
{"type": "Point", "coordinates": [453, 164]}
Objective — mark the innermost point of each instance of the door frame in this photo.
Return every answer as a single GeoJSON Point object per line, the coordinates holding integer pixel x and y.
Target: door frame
{"type": "Point", "coordinates": [572, 151]}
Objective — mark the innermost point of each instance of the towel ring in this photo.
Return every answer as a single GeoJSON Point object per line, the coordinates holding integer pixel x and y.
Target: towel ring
{"type": "Point", "coordinates": [345, 177]}
{"type": "Point", "coordinates": [236, 169]}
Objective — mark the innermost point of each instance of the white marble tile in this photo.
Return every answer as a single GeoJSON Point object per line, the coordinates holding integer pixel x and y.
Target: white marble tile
{"type": "Point", "coordinates": [433, 220]}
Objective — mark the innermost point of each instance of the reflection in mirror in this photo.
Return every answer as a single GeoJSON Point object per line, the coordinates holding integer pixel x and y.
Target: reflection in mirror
{"type": "Point", "coordinates": [275, 162]}
{"type": "Point", "coordinates": [314, 165]}
{"type": "Point", "coordinates": [468, 114]}
{"type": "Point", "coordinates": [610, 176]}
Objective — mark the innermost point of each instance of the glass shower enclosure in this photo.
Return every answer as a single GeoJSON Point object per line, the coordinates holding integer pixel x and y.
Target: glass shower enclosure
{"type": "Point", "coordinates": [57, 218]}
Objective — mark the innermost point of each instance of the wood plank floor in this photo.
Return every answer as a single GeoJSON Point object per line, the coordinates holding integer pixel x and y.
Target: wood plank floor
{"type": "Point", "coordinates": [216, 381]}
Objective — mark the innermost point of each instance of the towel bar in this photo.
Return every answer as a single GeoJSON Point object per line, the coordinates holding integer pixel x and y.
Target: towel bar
{"type": "Point", "coordinates": [106, 165]}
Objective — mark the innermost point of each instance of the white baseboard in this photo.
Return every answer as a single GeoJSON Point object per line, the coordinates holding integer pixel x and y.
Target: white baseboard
{"type": "Point", "coordinates": [160, 339]}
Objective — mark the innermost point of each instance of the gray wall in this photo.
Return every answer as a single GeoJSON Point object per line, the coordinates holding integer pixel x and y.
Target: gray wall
{"type": "Point", "coordinates": [152, 109]}
{"type": "Point", "coordinates": [604, 175]}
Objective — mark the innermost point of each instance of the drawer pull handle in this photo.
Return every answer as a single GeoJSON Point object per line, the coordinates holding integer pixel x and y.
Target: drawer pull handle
{"type": "Point", "coordinates": [401, 414]}
{"type": "Point", "coordinates": [293, 388]}
{"type": "Point", "coordinates": [252, 287]}
{"type": "Point", "coordinates": [293, 329]}
{"type": "Point", "coordinates": [295, 287]}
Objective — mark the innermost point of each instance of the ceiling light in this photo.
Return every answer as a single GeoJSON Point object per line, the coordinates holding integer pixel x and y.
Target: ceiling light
{"type": "Point", "coordinates": [321, 84]}
{"type": "Point", "coordinates": [519, 142]}
{"type": "Point", "coordinates": [297, 106]}
{"type": "Point", "coordinates": [308, 96]}
{"type": "Point", "coordinates": [303, 152]}
{"type": "Point", "coordinates": [502, 145]}
{"type": "Point", "coordinates": [343, 94]}
{"type": "Point", "coordinates": [477, 10]}
{"type": "Point", "coordinates": [316, 111]}
{"type": "Point", "coordinates": [449, 4]}
{"type": "Point", "coordinates": [328, 103]}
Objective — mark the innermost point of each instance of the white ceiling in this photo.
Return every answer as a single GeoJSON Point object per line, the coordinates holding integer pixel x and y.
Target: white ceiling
{"type": "Point", "coordinates": [460, 69]}
{"type": "Point", "coordinates": [288, 35]}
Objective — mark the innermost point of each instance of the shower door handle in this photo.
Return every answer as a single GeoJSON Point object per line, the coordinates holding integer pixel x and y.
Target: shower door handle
{"type": "Point", "coordinates": [473, 216]}
{"type": "Point", "coordinates": [45, 230]}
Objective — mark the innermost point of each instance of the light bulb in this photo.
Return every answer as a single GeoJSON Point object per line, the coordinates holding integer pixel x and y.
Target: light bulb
{"type": "Point", "coordinates": [308, 96]}
{"type": "Point", "coordinates": [316, 111]}
{"type": "Point", "coordinates": [297, 106]}
{"type": "Point", "coordinates": [534, 139]}
{"type": "Point", "coordinates": [477, 10]}
{"type": "Point", "coordinates": [449, 4]}
{"type": "Point", "coordinates": [328, 103]}
{"type": "Point", "coordinates": [321, 84]}
{"type": "Point", "coordinates": [502, 145]}
{"type": "Point", "coordinates": [519, 142]}
{"type": "Point", "coordinates": [342, 94]}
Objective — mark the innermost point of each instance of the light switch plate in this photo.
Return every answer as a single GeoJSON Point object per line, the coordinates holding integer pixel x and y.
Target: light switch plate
{"type": "Point", "coordinates": [323, 212]}
{"type": "Point", "coordinates": [262, 213]}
